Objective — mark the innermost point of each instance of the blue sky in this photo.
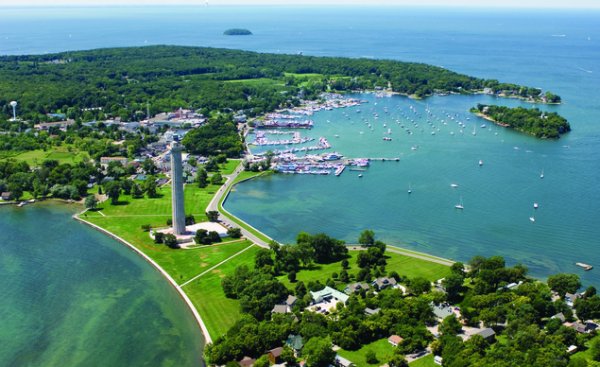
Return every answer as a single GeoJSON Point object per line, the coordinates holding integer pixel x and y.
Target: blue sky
{"type": "Point", "coordinates": [572, 4]}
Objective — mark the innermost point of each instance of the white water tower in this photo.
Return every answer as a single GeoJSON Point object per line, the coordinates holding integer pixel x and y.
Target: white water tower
{"type": "Point", "coordinates": [14, 107]}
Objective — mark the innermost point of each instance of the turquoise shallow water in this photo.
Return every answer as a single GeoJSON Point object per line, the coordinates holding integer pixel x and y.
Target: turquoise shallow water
{"type": "Point", "coordinates": [498, 197]}
{"type": "Point", "coordinates": [73, 297]}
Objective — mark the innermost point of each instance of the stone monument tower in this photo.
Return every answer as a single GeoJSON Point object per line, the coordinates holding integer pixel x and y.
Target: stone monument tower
{"type": "Point", "coordinates": [177, 189]}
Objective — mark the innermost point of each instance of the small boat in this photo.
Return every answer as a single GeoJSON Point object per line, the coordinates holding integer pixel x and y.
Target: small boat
{"type": "Point", "coordinates": [535, 205]}
{"type": "Point", "coordinates": [360, 175]}
{"type": "Point", "coordinates": [409, 189]}
{"type": "Point", "coordinates": [483, 126]}
{"type": "Point", "coordinates": [532, 219]}
{"type": "Point", "coordinates": [22, 203]}
{"type": "Point", "coordinates": [387, 138]}
{"type": "Point", "coordinates": [584, 266]}
{"type": "Point", "coordinates": [480, 162]}
{"type": "Point", "coordinates": [453, 185]}
{"type": "Point", "coordinates": [459, 205]}
{"type": "Point", "coordinates": [542, 174]}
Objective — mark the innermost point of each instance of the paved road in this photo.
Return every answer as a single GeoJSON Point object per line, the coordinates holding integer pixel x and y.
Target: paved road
{"type": "Point", "coordinates": [214, 205]}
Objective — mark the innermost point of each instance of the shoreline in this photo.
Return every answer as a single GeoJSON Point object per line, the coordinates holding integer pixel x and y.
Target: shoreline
{"type": "Point", "coordinates": [182, 294]}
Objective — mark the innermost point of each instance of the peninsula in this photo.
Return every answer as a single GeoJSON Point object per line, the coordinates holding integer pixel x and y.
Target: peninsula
{"type": "Point", "coordinates": [237, 32]}
{"type": "Point", "coordinates": [531, 121]}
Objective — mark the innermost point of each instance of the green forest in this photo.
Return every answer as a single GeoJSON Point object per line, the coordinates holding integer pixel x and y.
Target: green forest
{"type": "Point", "coordinates": [530, 121]}
{"type": "Point", "coordinates": [124, 82]}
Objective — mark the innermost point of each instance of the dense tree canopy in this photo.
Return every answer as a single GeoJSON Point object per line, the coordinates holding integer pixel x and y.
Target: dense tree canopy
{"type": "Point", "coordinates": [531, 121]}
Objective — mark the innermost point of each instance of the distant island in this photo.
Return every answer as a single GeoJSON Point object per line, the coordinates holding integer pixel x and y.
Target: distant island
{"type": "Point", "coordinates": [237, 32]}
{"type": "Point", "coordinates": [531, 121]}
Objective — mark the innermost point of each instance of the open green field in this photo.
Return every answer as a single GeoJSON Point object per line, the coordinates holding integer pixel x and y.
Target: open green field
{"type": "Point", "coordinates": [229, 167]}
{"type": "Point", "coordinates": [404, 265]}
{"type": "Point", "coordinates": [426, 361]}
{"type": "Point", "coordinates": [205, 292]}
{"type": "Point", "coordinates": [382, 348]}
{"type": "Point", "coordinates": [36, 157]}
{"type": "Point", "coordinates": [259, 82]}
{"type": "Point", "coordinates": [218, 312]}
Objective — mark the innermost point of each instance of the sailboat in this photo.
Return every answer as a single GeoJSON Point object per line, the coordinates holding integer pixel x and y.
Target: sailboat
{"type": "Point", "coordinates": [480, 162]}
{"type": "Point", "coordinates": [532, 219]}
{"type": "Point", "coordinates": [460, 205]}
{"type": "Point", "coordinates": [542, 174]}
{"type": "Point", "coordinates": [535, 205]}
{"type": "Point", "coordinates": [474, 131]}
{"type": "Point", "coordinates": [409, 189]}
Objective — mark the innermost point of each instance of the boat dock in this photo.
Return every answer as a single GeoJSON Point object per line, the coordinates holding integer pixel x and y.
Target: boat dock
{"type": "Point", "coordinates": [397, 159]}
{"type": "Point", "coordinates": [340, 169]}
{"type": "Point", "coordinates": [585, 267]}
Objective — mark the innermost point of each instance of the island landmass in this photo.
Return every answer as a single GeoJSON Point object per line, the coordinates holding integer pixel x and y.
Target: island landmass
{"type": "Point", "coordinates": [531, 121]}
{"type": "Point", "coordinates": [237, 32]}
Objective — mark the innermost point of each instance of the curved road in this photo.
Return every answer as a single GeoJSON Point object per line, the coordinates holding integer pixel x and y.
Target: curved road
{"type": "Point", "coordinates": [214, 205]}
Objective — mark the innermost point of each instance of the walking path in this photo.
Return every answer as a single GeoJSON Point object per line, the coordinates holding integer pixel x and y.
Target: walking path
{"type": "Point", "coordinates": [416, 255]}
{"type": "Point", "coordinates": [214, 267]}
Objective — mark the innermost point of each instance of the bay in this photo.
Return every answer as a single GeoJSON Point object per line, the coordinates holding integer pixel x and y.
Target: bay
{"type": "Point", "coordinates": [73, 297]}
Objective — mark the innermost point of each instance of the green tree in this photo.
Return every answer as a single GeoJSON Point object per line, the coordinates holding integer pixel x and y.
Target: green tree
{"type": "Point", "coordinates": [171, 241]}
{"type": "Point", "coordinates": [419, 285]}
{"type": "Point", "coordinates": [595, 349]}
{"type": "Point", "coordinates": [136, 191]}
{"type": "Point", "coordinates": [262, 361]}
{"type": "Point", "coordinates": [367, 238]}
{"type": "Point", "coordinates": [317, 352]}
{"type": "Point", "coordinates": [150, 187]}
{"type": "Point", "coordinates": [216, 179]}
{"type": "Point", "coordinates": [91, 202]}
{"type": "Point", "coordinates": [450, 326]}
{"type": "Point", "coordinates": [564, 283]}
{"type": "Point", "coordinates": [212, 215]}
{"type": "Point", "coordinates": [159, 237]}
{"type": "Point", "coordinates": [201, 178]}
{"type": "Point", "coordinates": [371, 357]}
{"type": "Point", "coordinates": [113, 190]}
{"type": "Point", "coordinates": [234, 232]}
{"type": "Point", "coordinates": [397, 360]}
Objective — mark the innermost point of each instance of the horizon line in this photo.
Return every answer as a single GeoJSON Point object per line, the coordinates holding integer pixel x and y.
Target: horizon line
{"type": "Point", "coordinates": [300, 3]}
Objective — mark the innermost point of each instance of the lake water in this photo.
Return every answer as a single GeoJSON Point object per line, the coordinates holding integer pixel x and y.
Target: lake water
{"type": "Point", "coordinates": [74, 297]}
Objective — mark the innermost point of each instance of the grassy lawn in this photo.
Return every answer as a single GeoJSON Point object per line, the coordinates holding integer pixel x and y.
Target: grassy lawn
{"type": "Point", "coordinates": [404, 265]}
{"type": "Point", "coordinates": [196, 201]}
{"type": "Point", "coordinates": [383, 350]}
{"type": "Point", "coordinates": [36, 157]}
{"type": "Point", "coordinates": [426, 361]}
{"type": "Point", "coordinates": [218, 312]}
{"type": "Point", "coordinates": [126, 219]}
{"type": "Point", "coordinates": [229, 167]}
{"type": "Point", "coordinates": [259, 82]}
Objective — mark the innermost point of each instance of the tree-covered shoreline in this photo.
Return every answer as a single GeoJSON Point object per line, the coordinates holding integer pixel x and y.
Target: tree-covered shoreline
{"type": "Point", "coordinates": [124, 82]}
{"type": "Point", "coordinates": [531, 121]}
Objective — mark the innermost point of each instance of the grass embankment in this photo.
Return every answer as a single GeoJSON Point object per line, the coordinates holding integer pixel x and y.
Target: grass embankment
{"type": "Point", "coordinates": [426, 361]}
{"type": "Point", "coordinates": [243, 176]}
{"type": "Point", "coordinates": [126, 219]}
{"type": "Point", "coordinates": [36, 157]}
{"type": "Point", "coordinates": [405, 266]}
